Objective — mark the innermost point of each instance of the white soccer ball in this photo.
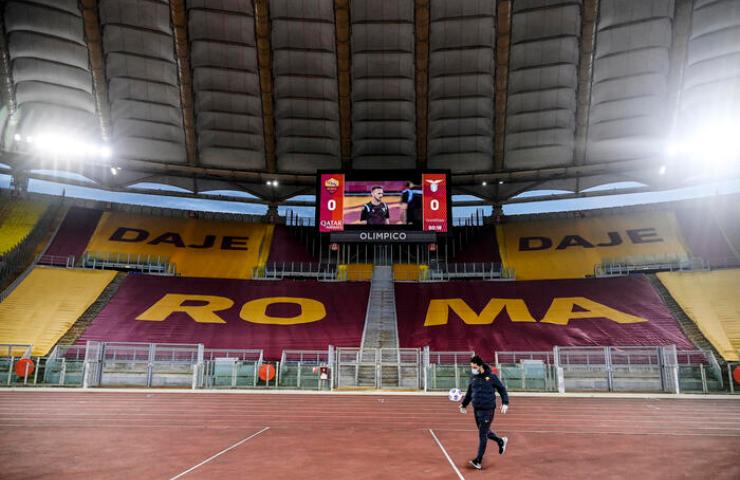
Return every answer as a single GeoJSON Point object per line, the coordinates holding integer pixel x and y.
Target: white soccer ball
{"type": "Point", "coordinates": [455, 395]}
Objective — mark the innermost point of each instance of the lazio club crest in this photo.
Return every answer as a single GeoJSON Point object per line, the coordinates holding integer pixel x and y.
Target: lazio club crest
{"type": "Point", "coordinates": [434, 185]}
{"type": "Point", "coordinates": [331, 185]}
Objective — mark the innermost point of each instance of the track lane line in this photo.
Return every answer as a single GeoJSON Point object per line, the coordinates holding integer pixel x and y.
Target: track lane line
{"type": "Point", "coordinates": [212, 457]}
{"type": "Point", "coordinates": [452, 464]}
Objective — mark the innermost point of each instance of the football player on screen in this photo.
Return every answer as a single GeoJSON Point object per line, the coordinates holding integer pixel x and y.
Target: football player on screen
{"type": "Point", "coordinates": [376, 211]}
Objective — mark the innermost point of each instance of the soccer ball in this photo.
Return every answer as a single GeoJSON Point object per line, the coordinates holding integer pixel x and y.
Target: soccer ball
{"type": "Point", "coordinates": [455, 395]}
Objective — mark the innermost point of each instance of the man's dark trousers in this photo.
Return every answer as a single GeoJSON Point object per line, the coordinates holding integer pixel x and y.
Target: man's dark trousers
{"type": "Point", "coordinates": [483, 419]}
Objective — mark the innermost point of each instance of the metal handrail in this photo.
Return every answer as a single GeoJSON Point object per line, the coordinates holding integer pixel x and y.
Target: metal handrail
{"type": "Point", "coordinates": [642, 264]}
{"type": "Point", "coordinates": [154, 264]}
{"type": "Point", "coordinates": [481, 270]}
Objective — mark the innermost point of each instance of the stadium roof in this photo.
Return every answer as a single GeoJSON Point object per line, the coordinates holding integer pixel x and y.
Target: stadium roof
{"type": "Point", "coordinates": [228, 94]}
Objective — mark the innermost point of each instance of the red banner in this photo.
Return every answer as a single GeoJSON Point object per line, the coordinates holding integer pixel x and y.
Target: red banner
{"type": "Point", "coordinates": [486, 317]}
{"type": "Point", "coordinates": [236, 314]}
{"type": "Point", "coordinates": [331, 202]}
{"type": "Point", "coordinates": [435, 201]}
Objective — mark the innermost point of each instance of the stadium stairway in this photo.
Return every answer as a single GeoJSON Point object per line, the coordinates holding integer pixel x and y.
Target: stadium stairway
{"type": "Point", "coordinates": [381, 327]}
{"type": "Point", "coordinates": [79, 327]}
{"type": "Point", "coordinates": [288, 245]}
{"type": "Point", "coordinates": [687, 325]}
{"type": "Point", "coordinates": [478, 244]}
{"type": "Point", "coordinates": [74, 232]}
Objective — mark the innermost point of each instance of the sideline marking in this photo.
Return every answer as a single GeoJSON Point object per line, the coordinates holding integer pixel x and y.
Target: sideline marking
{"type": "Point", "coordinates": [219, 454]}
{"type": "Point", "coordinates": [452, 464]}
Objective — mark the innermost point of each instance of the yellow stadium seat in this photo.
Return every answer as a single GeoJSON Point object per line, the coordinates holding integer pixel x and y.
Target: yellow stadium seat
{"type": "Point", "coordinates": [47, 303]}
{"type": "Point", "coordinates": [572, 247]}
{"type": "Point", "coordinates": [17, 219]}
{"type": "Point", "coordinates": [711, 300]}
{"type": "Point", "coordinates": [198, 248]}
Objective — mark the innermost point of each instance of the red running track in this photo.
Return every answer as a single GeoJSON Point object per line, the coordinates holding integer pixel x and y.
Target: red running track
{"type": "Point", "coordinates": [108, 435]}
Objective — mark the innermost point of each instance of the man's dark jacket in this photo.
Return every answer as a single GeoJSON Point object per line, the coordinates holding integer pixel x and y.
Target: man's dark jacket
{"type": "Point", "coordinates": [482, 390]}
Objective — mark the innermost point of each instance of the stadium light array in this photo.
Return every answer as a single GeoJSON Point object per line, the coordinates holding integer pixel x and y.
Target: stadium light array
{"type": "Point", "coordinates": [716, 145]}
{"type": "Point", "coordinates": [59, 145]}
{"type": "Point", "coordinates": [272, 183]}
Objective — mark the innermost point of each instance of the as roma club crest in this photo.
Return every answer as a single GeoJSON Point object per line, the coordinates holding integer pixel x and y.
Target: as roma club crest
{"type": "Point", "coordinates": [331, 185]}
{"type": "Point", "coordinates": [434, 184]}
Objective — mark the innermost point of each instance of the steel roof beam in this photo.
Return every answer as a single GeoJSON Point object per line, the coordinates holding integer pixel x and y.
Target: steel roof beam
{"type": "Point", "coordinates": [501, 80]}
{"type": "Point", "coordinates": [264, 60]}
{"type": "Point", "coordinates": [7, 91]}
{"type": "Point", "coordinates": [421, 19]}
{"type": "Point", "coordinates": [589, 19]}
{"type": "Point", "coordinates": [341, 21]}
{"type": "Point", "coordinates": [94, 41]}
{"type": "Point", "coordinates": [179, 17]}
{"type": "Point", "coordinates": [679, 50]}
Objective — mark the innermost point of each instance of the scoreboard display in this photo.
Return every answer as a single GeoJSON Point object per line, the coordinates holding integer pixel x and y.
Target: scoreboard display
{"type": "Point", "coordinates": [407, 200]}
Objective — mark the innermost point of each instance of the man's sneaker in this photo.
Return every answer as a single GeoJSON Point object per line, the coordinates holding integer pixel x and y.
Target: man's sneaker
{"type": "Point", "coordinates": [475, 464]}
{"type": "Point", "coordinates": [502, 445]}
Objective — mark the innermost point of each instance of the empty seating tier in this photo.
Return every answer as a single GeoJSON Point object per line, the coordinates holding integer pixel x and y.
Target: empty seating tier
{"type": "Point", "coordinates": [47, 303]}
{"type": "Point", "coordinates": [711, 300]}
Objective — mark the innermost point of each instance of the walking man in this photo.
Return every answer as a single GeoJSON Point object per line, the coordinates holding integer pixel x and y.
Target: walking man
{"type": "Point", "coordinates": [482, 392]}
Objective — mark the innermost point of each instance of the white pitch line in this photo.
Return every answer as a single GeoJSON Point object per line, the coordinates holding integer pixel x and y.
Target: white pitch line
{"type": "Point", "coordinates": [452, 464]}
{"type": "Point", "coordinates": [219, 454]}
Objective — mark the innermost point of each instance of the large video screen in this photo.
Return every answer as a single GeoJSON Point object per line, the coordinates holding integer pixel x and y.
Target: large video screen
{"type": "Point", "coordinates": [407, 200]}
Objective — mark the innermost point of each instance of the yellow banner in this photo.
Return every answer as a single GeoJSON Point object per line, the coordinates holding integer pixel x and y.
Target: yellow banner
{"type": "Point", "coordinates": [47, 303]}
{"type": "Point", "coordinates": [572, 247]}
{"type": "Point", "coordinates": [711, 300]}
{"type": "Point", "coordinates": [408, 272]}
{"type": "Point", "coordinates": [198, 248]}
{"type": "Point", "coordinates": [355, 272]}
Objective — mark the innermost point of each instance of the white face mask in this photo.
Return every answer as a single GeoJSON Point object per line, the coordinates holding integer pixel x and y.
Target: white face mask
{"type": "Point", "coordinates": [474, 371]}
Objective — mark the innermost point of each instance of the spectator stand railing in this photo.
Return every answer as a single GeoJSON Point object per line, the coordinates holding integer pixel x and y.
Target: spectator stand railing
{"type": "Point", "coordinates": [61, 367]}
{"type": "Point", "coordinates": [142, 364]}
{"type": "Point", "coordinates": [443, 272]}
{"type": "Point", "coordinates": [56, 261]}
{"type": "Point", "coordinates": [307, 369]}
{"type": "Point", "coordinates": [378, 368]}
{"type": "Point", "coordinates": [230, 368]}
{"type": "Point", "coordinates": [281, 270]}
{"type": "Point", "coordinates": [10, 353]}
{"type": "Point", "coordinates": [446, 370]}
{"type": "Point", "coordinates": [699, 371]}
{"type": "Point", "coordinates": [733, 376]}
{"type": "Point", "coordinates": [150, 264]}
{"type": "Point", "coordinates": [647, 264]}
{"type": "Point", "coordinates": [650, 369]}
{"type": "Point", "coordinates": [527, 371]}
{"type": "Point", "coordinates": [643, 369]}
